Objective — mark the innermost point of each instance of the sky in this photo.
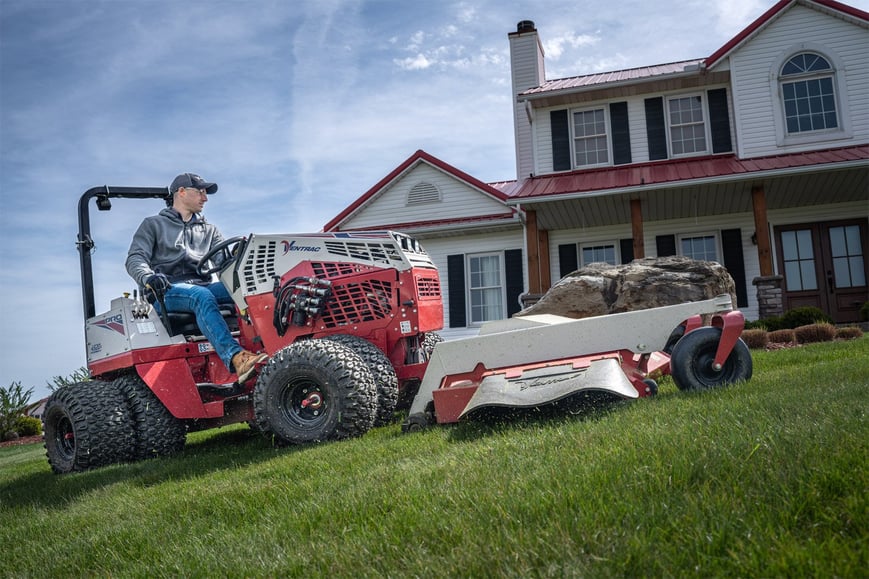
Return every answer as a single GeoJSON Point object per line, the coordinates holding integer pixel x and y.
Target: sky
{"type": "Point", "coordinates": [295, 108]}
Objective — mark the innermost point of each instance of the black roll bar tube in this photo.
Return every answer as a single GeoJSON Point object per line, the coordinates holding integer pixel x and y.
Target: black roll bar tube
{"type": "Point", "coordinates": [85, 242]}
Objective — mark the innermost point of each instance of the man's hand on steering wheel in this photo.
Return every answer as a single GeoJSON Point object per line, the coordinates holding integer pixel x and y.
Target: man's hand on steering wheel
{"type": "Point", "coordinates": [231, 250]}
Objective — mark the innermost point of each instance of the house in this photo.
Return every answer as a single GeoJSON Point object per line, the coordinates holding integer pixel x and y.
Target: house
{"type": "Point", "coordinates": [756, 157]}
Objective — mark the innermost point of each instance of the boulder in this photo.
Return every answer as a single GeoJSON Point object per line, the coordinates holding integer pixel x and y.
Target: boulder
{"type": "Point", "coordinates": [651, 282]}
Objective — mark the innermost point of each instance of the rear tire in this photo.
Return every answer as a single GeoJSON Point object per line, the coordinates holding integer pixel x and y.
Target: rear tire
{"type": "Point", "coordinates": [383, 372]}
{"type": "Point", "coordinates": [693, 355]}
{"type": "Point", "coordinates": [158, 433]}
{"type": "Point", "coordinates": [86, 425]}
{"type": "Point", "coordinates": [315, 390]}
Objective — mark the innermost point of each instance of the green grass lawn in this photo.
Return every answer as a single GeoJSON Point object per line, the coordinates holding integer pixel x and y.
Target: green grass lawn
{"type": "Point", "coordinates": [763, 479]}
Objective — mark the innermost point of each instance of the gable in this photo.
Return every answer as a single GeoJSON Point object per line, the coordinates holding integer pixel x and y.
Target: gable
{"type": "Point", "coordinates": [424, 193]}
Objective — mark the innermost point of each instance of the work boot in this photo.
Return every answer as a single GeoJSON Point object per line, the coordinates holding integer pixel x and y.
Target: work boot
{"type": "Point", "coordinates": [245, 364]}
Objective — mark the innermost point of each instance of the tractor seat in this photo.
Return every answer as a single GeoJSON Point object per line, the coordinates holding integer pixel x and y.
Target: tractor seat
{"type": "Point", "coordinates": [185, 322]}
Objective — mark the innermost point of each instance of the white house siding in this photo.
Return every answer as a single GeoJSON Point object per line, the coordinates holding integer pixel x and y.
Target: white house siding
{"type": "Point", "coordinates": [708, 225]}
{"type": "Point", "coordinates": [441, 247]}
{"type": "Point", "coordinates": [753, 77]}
{"type": "Point", "coordinates": [458, 200]}
{"type": "Point", "coordinates": [636, 124]}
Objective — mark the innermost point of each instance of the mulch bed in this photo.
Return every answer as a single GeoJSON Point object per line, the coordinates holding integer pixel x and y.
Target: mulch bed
{"type": "Point", "coordinates": [22, 440]}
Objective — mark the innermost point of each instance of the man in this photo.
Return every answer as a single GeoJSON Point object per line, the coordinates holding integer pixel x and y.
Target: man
{"type": "Point", "coordinates": [163, 257]}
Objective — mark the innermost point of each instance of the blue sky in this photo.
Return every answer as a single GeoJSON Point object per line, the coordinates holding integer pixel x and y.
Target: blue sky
{"type": "Point", "coordinates": [293, 108]}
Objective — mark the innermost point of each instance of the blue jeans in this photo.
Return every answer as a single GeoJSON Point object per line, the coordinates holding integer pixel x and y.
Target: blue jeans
{"type": "Point", "coordinates": [203, 301]}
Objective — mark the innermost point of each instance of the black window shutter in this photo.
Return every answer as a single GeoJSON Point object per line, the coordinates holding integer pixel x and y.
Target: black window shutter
{"type": "Point", "coordinates": [456, 290]}
{"type": "Point", "coordinates": [731, 245]}
{"type": "Point", "coordinates": [719, 121]}
{"type": "Point", "coordinates": [621, 133]}
{"type": "Point", "coordinates": [568, 260]}
{"type": "Point", "coordinates": [515, 281]}
{"type": "Point", "coordinates": [560, 140]}
{"type": "Point", "coordinates": [656, 131]}
{"type": "Point", "coordinates": [627, 250]}
{"type": "Point", "coordinates": [666, 245]}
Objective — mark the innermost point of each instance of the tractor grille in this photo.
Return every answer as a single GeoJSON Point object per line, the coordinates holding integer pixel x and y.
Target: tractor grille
{"type": "Point", "coordinates": [371, 251]}
{"type": "Point", "coordinates": [260, 266]}
{"type": "Point", "coordinates": [332, 270]}
{"type": "Point", "coordinates": [355, 303]}
{"type": "Point", "coordinates": [428, 288]}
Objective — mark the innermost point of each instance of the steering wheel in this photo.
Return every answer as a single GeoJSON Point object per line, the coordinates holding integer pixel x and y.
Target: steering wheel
{"type": "Point", "coordinates": [230, 250]}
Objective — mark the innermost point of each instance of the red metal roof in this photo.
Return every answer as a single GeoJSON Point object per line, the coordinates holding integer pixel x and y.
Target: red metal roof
{"type": "Point", "coordinates": [676, 172]}
{"type": "Point", "coordinates": [630, 74]}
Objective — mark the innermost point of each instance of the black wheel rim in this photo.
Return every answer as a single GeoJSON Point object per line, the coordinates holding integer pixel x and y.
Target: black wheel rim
{"type": "Point", "coordinates": [64, 438]}
{"type": "Point", "coordinates": [706, 374]}
{"type": "Point", "coordinates": [304, 403]}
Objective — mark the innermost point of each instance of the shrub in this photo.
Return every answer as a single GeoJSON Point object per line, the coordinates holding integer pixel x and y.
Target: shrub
{"type": "Point", "coordinates": [755, 325]}
{"type": "Point", "coordinates": [13, 401]}
{"type": "Point", "coordinates": [28, 426]}
{"type": "Point", "coordinates": [849, 333]}
{"type": "Point", "coordinates": [755, 339]}
{"type": "Point", "coordinates": [864, 312]}
{"type": "Point", "coordinates": [782, 337]}
{"type": "Point", "coordinates": [822, 332]}
{"type": "Point", "coordinates": [803, 317]}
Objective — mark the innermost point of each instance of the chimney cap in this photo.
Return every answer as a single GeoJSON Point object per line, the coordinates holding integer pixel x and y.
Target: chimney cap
{"type": "Point", "coordinates": [525, 26]}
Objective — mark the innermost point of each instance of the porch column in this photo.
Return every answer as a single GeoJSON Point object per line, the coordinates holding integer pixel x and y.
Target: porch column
{"type": "Point", "coordinates": [531, 242]}
{"type": "Point", "coordinates": [637, 229]}
{"type": "Point", "coordinates": [543, 258]}
{"type": "Point", "coordinates": [761, 230]}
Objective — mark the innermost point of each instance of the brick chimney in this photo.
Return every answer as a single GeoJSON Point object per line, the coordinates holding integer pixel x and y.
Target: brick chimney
{"type": "Point", "coordinates": [527, 71]}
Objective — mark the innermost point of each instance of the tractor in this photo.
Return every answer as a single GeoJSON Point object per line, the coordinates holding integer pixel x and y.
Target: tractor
{"type": "Point", "coordinates": [348, 320]}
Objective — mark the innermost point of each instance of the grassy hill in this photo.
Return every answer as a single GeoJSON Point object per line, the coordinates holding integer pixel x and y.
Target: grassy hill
{"type": "Point", "coordinates": [768, 478]}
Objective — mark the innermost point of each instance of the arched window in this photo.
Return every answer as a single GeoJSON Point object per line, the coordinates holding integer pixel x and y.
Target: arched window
{"type": "Point", "coordinates": [808, 93]}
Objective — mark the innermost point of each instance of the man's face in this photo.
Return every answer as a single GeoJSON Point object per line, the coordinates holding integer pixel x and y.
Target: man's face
{"type": "Point", "coordinates": [192, 199]}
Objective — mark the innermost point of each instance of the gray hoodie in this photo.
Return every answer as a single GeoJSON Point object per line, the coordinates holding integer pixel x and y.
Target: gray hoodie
{"type": "Point", "coordinates": [165, 244]}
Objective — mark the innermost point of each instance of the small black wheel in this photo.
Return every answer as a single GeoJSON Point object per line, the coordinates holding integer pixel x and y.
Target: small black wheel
{"type": "Point", "coordinates": [415, 423]}
{"type": "Point", "coordinates": [383, 371]}
{"type": "Point", "coordinates": [651, 387]}
{"type": "Point", "coordinates": [230, 250]}
{"type": "Point", "coordinates": [158, 433]}
{"type": "Point", "coordinates": [86, 425]}
{"type": "Point", "coordinates": [691, 364]}
{"type": "Point", "coordinates": [315, 390]}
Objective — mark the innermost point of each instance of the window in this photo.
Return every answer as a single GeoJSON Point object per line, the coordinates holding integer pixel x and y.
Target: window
{"type": "Point", "coordinates": [687, 125]}
{"type": "Point", "coordinates": [798, 255]}
{"type": "Point", "coordinates": [847, 252]}
{"type": "Point", "coordinates": [598, 252]}
{"type": "Point", "coordinates": [808, 95]}
{"type": "Point", "coordinates": [590, 138]}
{"type": "Point", "coordinates": [485, 287]}
{"type": "Point", "coordinates": [703, 247]}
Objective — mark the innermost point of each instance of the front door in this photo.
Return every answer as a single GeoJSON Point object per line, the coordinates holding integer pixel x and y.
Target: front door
{"type": "Point", "coordinates": [824, 265]}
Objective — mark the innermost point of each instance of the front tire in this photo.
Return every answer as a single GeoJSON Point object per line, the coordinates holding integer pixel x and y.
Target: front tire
{"type": "Point", "coordinates": [86, 425]}
{"type": "Point", "coordinates": [383, 372]}
{"type": "Point", "coordinates": [693, 355]}
{"type": "Point", "coordinates": [315, 390]}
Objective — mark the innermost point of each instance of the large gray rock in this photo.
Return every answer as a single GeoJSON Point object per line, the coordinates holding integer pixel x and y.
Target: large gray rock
{"type": "Point", "coordinates": [600, 288]}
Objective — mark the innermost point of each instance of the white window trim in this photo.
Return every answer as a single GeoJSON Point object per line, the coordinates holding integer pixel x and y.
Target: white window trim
{"type": "Point", "coordinates": [614, 244]}
{"type": "Point", "coordinates": [704, 107]}
{"type": "Point", "coordinates": [782, 138]}
{"type": "Point", "coordinates": [714, 234]}
{"type": "Point", "coordinates": [609, 136]}
{"type": "Point", "coordinates": [502, 281]}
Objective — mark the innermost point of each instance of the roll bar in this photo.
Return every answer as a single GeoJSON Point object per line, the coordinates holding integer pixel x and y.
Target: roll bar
{"type": "Point", "coordinates": [85, 242]}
